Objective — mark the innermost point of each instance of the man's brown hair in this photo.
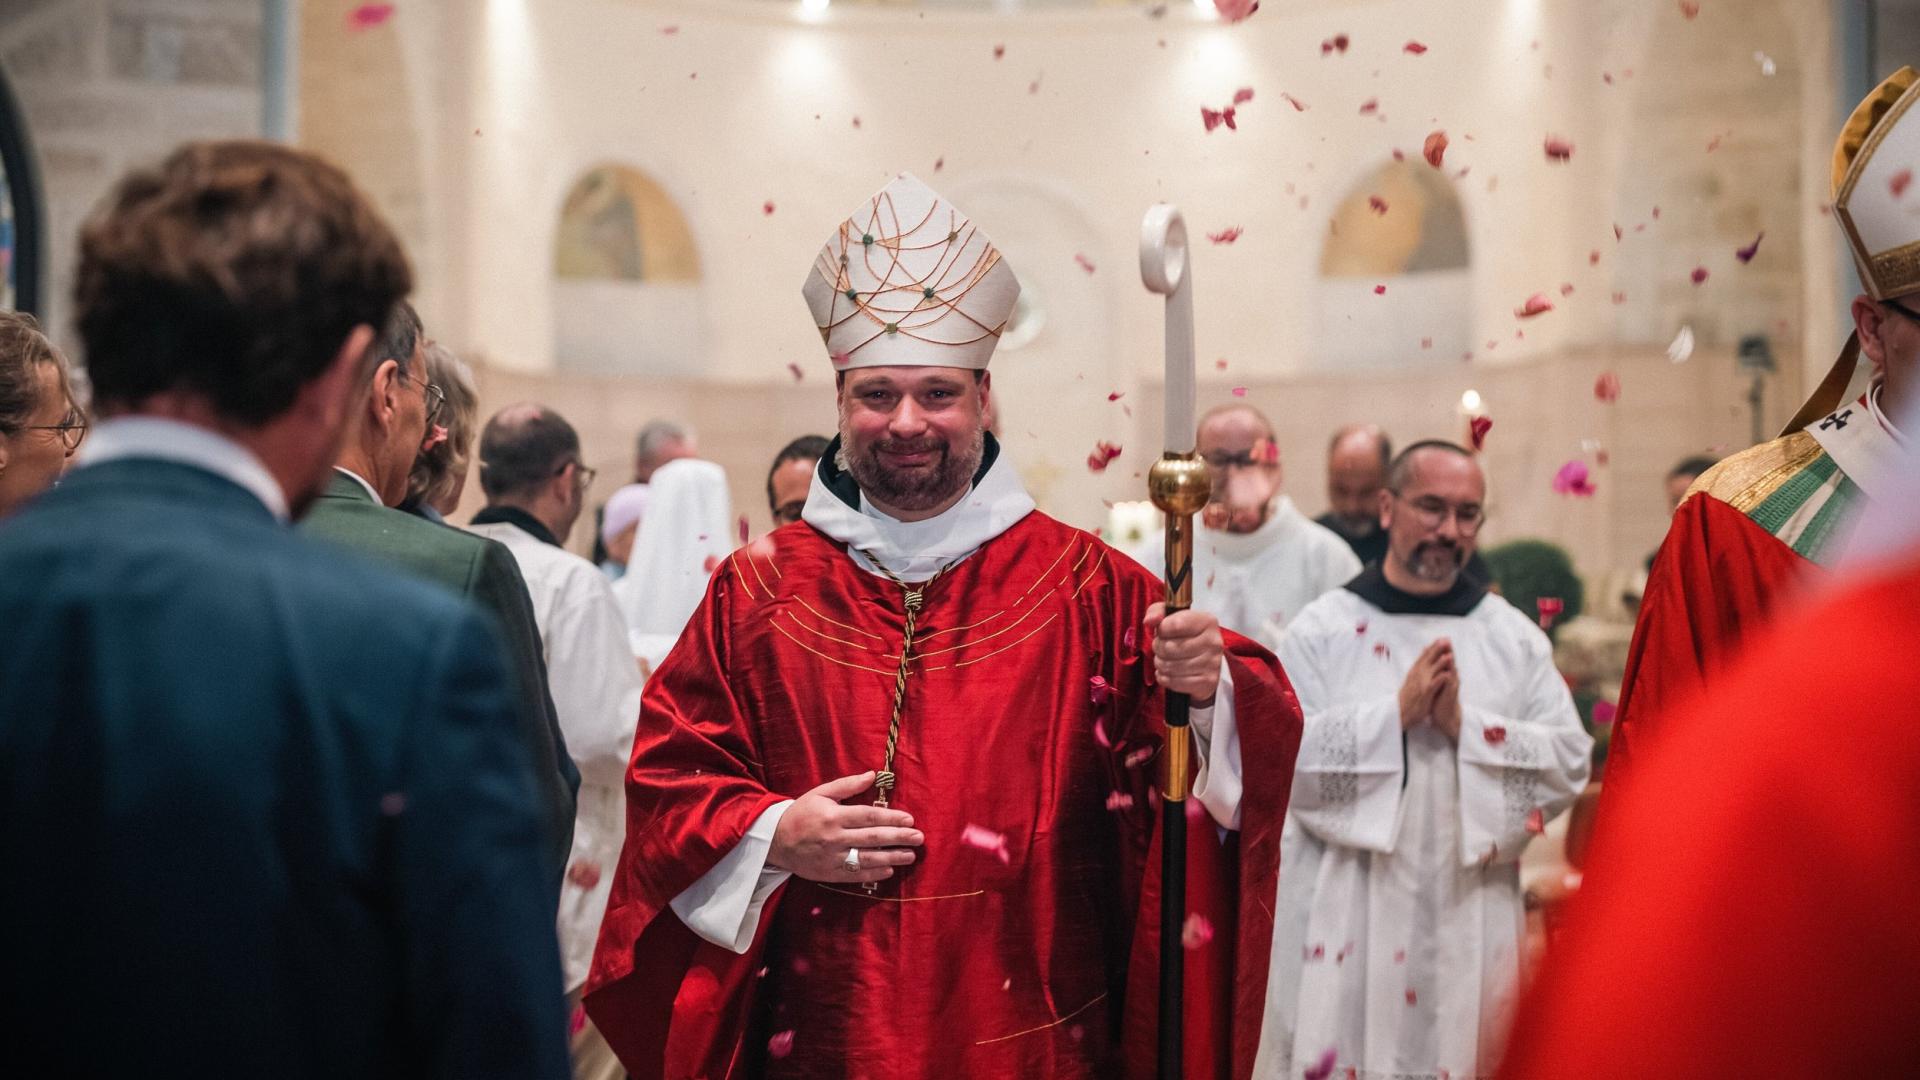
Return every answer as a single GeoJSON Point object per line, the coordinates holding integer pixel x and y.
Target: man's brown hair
{"type": "Point", "coordinates": [23, 348]}
{"type": "Point", "coordinates": [233, 270]}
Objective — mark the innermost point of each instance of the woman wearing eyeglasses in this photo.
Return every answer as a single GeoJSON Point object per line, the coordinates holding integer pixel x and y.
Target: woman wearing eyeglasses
{"type": "Point", "coordinates": [40, 427]}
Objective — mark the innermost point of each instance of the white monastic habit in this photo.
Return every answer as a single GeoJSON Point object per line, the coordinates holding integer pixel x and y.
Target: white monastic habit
{"type": "Point", "coordinates": [1255, 583]}
{"type": "Point", "coordinates": [1397, 940]}
{"type": "Point", "coordinates": [684, 534]}
{"type": "Point", "coordinates": [596, 691]}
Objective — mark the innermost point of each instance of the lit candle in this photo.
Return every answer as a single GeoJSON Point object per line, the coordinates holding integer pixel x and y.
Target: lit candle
{"type": "Point", "coordinates": [1164, 269]}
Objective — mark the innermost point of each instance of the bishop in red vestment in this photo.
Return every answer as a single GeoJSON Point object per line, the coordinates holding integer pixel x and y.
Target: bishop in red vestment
{"type": "Point", "coordinates": [1749, 909]}
{"type": "Point", "coordinates": [890, 810]}
{"type": "Point", "coordinates": [1757, 528]}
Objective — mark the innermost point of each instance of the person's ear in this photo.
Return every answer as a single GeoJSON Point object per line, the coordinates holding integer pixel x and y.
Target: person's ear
{"type": "Point", "coordinates": [986, 399]}
{"type": "Point", "coordinates": [1386, 508]}
{"type": "Point", "coordinates": [1870, 321]}
{"type": "Point", "coordinates": [383, 402]}
{"type": "Point", "coordinates": [562, 484]}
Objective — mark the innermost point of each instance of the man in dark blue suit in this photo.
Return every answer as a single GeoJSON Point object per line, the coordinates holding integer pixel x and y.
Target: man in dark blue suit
{"type": "Point", "coordinates": [263, 809]}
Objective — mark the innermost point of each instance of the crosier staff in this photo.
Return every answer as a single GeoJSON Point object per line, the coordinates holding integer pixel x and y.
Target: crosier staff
{"type": "Point", "coordinates": [1179, 486]}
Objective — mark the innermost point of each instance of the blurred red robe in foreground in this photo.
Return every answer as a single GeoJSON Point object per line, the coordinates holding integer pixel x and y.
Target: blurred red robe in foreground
{"type": "Point", "coordinates": [1748, 908]}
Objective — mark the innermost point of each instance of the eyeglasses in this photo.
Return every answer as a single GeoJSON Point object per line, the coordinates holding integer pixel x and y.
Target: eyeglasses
{"type": "Point", "coordinates": [583, 475]}
{"type": "Point", "coordinates": [1433, 512]}
{"type": "Point", "coordinates": [72, 429]}
{"type": "Point", "coordinates": [1264, 452]}
{"type": "Point", "coordinates": [1912, 316]}
{"type": "Point", "coordinates": [436, 397]}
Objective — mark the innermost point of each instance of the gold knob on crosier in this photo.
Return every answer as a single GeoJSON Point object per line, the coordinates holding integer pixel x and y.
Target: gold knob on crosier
{"type": "Point", "coordinates": [1180, 486]}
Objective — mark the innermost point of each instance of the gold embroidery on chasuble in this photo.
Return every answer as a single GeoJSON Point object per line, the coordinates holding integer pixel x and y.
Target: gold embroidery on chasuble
{"type": "Point", "coordinates": [1746, 479]}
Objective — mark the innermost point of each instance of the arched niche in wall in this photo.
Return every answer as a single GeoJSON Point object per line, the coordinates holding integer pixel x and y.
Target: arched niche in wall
{"type": "Point", "coordinates": [626, 278]}
{"type": "Point", "coordinates": [1401, 226]}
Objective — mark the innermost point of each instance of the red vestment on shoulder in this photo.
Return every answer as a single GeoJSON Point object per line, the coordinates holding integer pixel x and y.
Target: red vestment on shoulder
{"type": "Point", "coordinates": [1748, 909]}
{"type": "Point", "coordinates": [1032, 957]}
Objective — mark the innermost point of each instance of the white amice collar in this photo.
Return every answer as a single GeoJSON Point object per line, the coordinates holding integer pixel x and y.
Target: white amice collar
{"type": "Point", "coordinates": [1864, 443]}
{"type": "Point", "coordinates": [916, 550]}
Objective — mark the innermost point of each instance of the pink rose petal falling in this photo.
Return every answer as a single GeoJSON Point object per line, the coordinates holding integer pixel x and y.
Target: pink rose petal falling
{"type": "Point", "coordinates": [780, 1045]}
{"type": "Point", "coordinates": [1558, 149]}
{"type": "Point", "coordinates": [1103, 455]}
{"type": "Point", "coordinates": [1099, 690]}
{"type": "Point", "coordinates": [741, 525]}
{"type": "Point", "coordinates": [368, 16]}
{"type": "Point", "coordinates": [1746, 254]}
{"type": "Point", "coordinates": [1550, 609]}
{"type": "Point", "coordinates": [1197, 931]}
{"type": "Point", "coordinates": [1337, 43]}
{"type": "Point", "coordinates": [1536, 821]}
{"type": "Point", "coordinates": [1435, 148]}
{"type": "Point", "coordinates": [1116, 395]}
{"type": "Point", "coordinates": [1083, 262]}
{"type": "Point", "coordinates": [1234, 11]}
{"type": "Point", "coordinates": [1900, 182]}
{"type": "Point", "coordinates": [1119, 800]}
{"type": "Point", "coordinates": [1689, 9]}
{"type": "Point", "coordinates": [1379, 290]}
{"type": "Point", "coordinates": [1376, 204]}
{"type": "Point", "coordinates": [1298, 105]}
{"type": "Point", "coordinates": [1369, 107]}
{"type": "Point", "coordinates": [1225, 236]}
{"type": "Point", "coordinates": [1243, 95]}
{"type": "Point", "coordinates": [1494, 734]}
{"type": "Point", "coordinates": [669, 30]}
{"type": "Point", "coordinates": [796, 371]}
{"type": "Point", "coordinates": [1593, 257]}
{"type": "Point", "coordinates": [1537, 304]}
{"type": "Point", "coordinates": [711, 564]}
{"type": "Point", "coordinates": [1477, 429]}
{"type": "Point", "coordinates": [1131, 637]}
{"type": "Point", "coordinates": [1607, 387]}
{"type": "Point", "coordinates": [1381, 650]}
{"type": "Point", "coordinates": [1323, 1068]}
{"type": "Point", "coordinates": [1413, 48]}
{"type": "Point", "coordinates": [995, 844]}
{"type": "Point", "coordinates": [999, 51]}
{"type": "Point", "coordinates": [767, 208]}
{"type": "Point", "coordinates": [1572, 479]}
{"type": "Point", "coordinates": [1604, 712]}
{"type": "Point", "coordinates": [1699, 275]}
{"type": "Point", "coordinates": [1239, 391]}
{"type": "Point", "coordinates": [1213, 118]}
{"type": "Point", "coordinates": [1412, 997]}
{"type": "Point", "coordinates": [1139, 757]}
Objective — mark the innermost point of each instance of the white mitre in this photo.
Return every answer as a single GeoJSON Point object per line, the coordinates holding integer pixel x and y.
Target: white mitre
{"type": "Point", "coordinates": [1873, 164]}
{"type": "Point", "coordinates": [908, 280]}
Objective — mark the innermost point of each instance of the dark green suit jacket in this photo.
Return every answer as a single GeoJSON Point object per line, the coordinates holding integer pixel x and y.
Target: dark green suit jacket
{"type": "Point", "coordinates": [484, 572]}
{"type": "Point", "coordinates": [263, 810]}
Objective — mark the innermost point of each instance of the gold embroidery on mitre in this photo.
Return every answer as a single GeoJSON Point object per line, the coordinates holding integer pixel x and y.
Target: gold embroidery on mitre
{"type": "Point", "coordinates": [1866, 117]}
{"type": "Point", "coordinates": [1898, 271]}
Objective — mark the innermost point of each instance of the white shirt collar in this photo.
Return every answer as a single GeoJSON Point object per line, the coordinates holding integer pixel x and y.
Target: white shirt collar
{"type": "Point", "coordinates": [362, 481]}
{"type": "Point", "coordinates": [157, 438]}
{"type": "Point", "coordinates": [916, 550]}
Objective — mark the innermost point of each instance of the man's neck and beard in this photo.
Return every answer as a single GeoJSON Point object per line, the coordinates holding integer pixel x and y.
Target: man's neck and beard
{"type": "Point", "coordinates": [913, 494]}
{"type": "Point", "coordinates": [1351, 529]}
{"type": "Point", "coordinates": [1430, 569]}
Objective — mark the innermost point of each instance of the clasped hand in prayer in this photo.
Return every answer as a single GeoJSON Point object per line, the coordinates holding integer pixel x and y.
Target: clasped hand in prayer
{"type": "Point", "coordinates": [1431, 692]}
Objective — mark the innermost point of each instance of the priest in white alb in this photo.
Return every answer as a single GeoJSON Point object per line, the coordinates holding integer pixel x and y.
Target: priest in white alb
{"type": "Point", "coordinates": [1257, 560]}
{"type": "Point", "coordinates": [1439, 740]}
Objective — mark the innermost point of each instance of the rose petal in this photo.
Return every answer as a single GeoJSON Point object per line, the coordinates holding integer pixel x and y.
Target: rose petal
{"type": "Point", "coordinates": [1380, 650]}
{"type": "Point", "coordinates": [1537, 304]}
{"type": "Point", "coordinates": [1083, 262]}
{"type": "Point", "coordinates": [1119, 800]}
{"type": "Point", "coordinates": [1746, 254]}
{"type": "Point", "coordinates": [1689, 9]}
{"type": "Point", "coordinates": [1099, 690]}
{"type": "Point", "coordinates": [1103, 454]}
{"type": "Point", "coordinates": [1239, 391]}
{"type": "Point", "coordinates": [1607, 387]}
{"type": "Point", "coordinates": [1536, 821]}
{"type": "Point", "coordinates": [1197, 931]}
{"type": "Point", "coordinates": [1900, 181]}
{"type": "Point", "coordinates": [1682, 346]}
{"type": "Point", "coordinates": [1414, 48]}
{"type": "Point", "coordinates": [1699, 275]}
{"type": "Point", "coordinates": [1494, 734]}
{"type": "Point", "coordinates": [1604, 712]}
{"type": "Point", "coordinates": [1139, 757]}
{"type": "Point", "coordinates": [795, 370]}
{"type": "Point", "coordinates": [767, 207]}
{"type": "Point", "coordinates": [1243, 95]}
{"type": "Point", "coordinates": [1322, 1069]}
{"type": "Point", "coordinates": [1225, 236]}
{"type": "Point", "coordinates": [1379, 290]}
{"type": "Point", "coordinates": [1376, 204]}
{"type": "Point", "coordinates": [1558, 149]}
{"type": "Point", "coordinates": [368, 16]}
{"type": "Point", "coordinates": [1412, 998]}
{"type": "Point", "coordinates": [1234, 11]}
{"type": "Point", "coordinates": [974, 836]}
{"type": "Point", "coordinates": [743, 528]}
{"type": "Point", "coordinates": [999, 51]}
{"type": "Point", "coordinates": [1369, 106]}
{"type": "Point", "coordinates": [711, 564]}
{"type": "Point", "coordinates": [1435, 148]}
{"type": "Point", "coordinates": [1550, 609]}
{"type": "Point", "coordinates": [1116, 395]}
{"type": "Point", "coordinates": [1298, 105]}
{"type": "Point", "coordinates": [1477, 429]}
{"type": "Point", "coordinates": [1572, 479]}
{"type": "Point", "coordinates": [780, 1045]}
{"type": "Point", "coordinates": [1593, 257]}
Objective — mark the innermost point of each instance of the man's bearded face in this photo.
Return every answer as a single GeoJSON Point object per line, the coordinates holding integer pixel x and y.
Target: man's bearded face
{"type": "Point", "coordinates": [1425, 530]}
{"type": "Point", "coordinates": [912, 437]}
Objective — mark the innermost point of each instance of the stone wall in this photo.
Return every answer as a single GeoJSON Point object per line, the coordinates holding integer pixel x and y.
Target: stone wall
{"type": "Point", "coordinates": [108, 84]}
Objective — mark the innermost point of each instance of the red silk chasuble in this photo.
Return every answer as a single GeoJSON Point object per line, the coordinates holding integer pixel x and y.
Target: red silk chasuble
{"type": "Point", "coordinates": [1748, 909]}
{"type": "Point", "coordinates": [1032, 954]}
{"type": "Point", "coordinates": [1717, 578]}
